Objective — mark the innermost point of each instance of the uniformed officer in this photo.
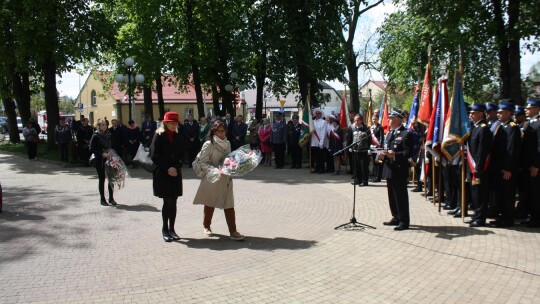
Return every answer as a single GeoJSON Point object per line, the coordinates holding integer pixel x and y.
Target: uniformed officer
{"type": "Point", "coordinates": [519, 116]}
{"type": "Point", "coordinates": [505, 153]}
{"type": "Point", "coordinates": [491, 117]}
{"type": "Point", "coordinates": [531, 161]}
{"type": "Point", "coordinates": [478, 146]}
{"type": "Point", "coordinates": [493, 124]}
{"type": "Point", "coordinates": [398, 145]}
{"type": "Point", "coordinates": [522, 183]}
{"type": "Point", "coordinates": [293, 139]}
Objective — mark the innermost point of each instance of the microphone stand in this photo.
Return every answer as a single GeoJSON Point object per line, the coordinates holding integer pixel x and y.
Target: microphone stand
{"type": "Point", "coordinates": [353, 224]}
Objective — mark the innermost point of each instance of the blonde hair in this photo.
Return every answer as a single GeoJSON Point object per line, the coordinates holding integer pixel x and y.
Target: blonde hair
{"type": "Point", "coordinates": [100, 121]}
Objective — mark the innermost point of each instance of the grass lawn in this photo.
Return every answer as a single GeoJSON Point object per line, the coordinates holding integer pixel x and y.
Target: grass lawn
{"type": "Point", "coordinates": [42, 151]}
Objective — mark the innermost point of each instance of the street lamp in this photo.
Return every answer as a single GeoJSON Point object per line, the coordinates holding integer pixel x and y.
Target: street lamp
{"type": "Point", "coordinates": [233, 87]}
{"type": "Point", "coordinates": [139, 78]}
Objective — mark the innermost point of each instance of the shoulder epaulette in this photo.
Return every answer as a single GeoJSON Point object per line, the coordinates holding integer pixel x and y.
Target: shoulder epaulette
{"type": "Point", "coordinates": [512, 124]}
{"type": "Point", "coordinates": [483, 125]}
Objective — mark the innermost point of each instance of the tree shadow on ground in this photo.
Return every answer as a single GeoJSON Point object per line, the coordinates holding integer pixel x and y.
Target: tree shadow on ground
{"type": "Point", "coordinates": [24, 219]}
{"type": "Point", "coordinates": [222, 242]}
{"type": "Point", "coordinates": [451, 232]}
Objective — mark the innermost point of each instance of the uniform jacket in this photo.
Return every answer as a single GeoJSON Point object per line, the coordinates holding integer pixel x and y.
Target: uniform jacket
{"type": "Point", "coordinates": [191, 131]}
{"type": "Point", "coordinates": [530, 156]}
{"type": "Point", "coordinates": [294, 134]}
{"type": "Point", "coordinates": [279, 132]}
{"type": "Point", "coordinates": [400, 142]}
{"type": "Point", "coordinates": [166, 155]}
{"type": "Point", "coordinates": [218, 194]}
{"type": "Point", "coordinates": [351, 137]}
{"type": "Point", "coordinates": [479, 147]}
{"type": "Point", "coordinates": [506, 147]}
{"type": "Point", "coordinates": [62, 134]}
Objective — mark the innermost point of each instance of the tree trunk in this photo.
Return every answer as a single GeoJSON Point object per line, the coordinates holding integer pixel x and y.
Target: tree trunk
{"type": "Point", "coordinates": [502, 44]}
{"type": "Point", "coordinates": [22, 95]}
{"type": "Point", "coordinates": [159, 90]}
{"type": "Point", "coordinates": [352, 70]}
{"type": "Point", "coordinates": [215, 100]}
{"type": "Point", "coordinates": [51, 97]}
{"type": "Point", "coordinates": [148, 107]}
{"type": "Point", "coordinates": [260, 97]}
{"type": "Point", "coordinates": [194, 66]}
{"type": "Point", "coordinates": [226, 97]}
{"type": "Point", "coordinates": [514, 56]}
{"type": "Point", "coordinates": [9, 109]}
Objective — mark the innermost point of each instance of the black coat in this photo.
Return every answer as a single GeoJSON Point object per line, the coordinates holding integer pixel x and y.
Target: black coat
{"type": "Point", "coordinates": [479, 145]}
{"type": "Point", "coordinates": [189, 132]}
{"type": "Point", "coordinates": [166, 155]}
{"type": "Point", "coordinates": [506, 148]}
{"type": "Point", "coordinates": [401, 144]}
{"type": "Point", "coordinates": [530, 155]}
{"type": "Point", "coordinates": [99, 143]}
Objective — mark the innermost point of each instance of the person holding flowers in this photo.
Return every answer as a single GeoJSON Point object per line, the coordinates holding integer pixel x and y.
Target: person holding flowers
{"type": "Point", "coordinates": [218, 194]}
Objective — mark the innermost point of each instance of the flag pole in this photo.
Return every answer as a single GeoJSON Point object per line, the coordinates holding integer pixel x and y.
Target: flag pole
{"type": "Point", "coordinates": [433, 163]}
{"type": "Point", "coordinates": [463, 160]}
{"type": "Point", "coordinates": [307, 109]}
{"type": "Point", "coordinates": [439, 192]}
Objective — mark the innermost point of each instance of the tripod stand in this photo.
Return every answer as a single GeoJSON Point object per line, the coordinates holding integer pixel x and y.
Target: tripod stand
{"type": "Point", "coordinates": [353, 224]}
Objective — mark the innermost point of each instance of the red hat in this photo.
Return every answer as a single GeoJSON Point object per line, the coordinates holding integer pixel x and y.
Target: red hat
{"type": "Point", "coordinates": [170, 116]}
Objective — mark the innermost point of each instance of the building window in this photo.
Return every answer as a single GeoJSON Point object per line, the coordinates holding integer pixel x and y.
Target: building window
{"type": "Point", "coordinates": [188, 112]}
{"type": "Point", "coordinates": [93, 98]}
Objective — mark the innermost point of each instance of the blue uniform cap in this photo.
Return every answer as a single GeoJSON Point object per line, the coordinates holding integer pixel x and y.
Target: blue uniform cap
{"type": "Point", "coordinates": [478, 107]}
{"type": "Point", "coordinates": [507, 104]}
{"type": "Point", "coordinates": [396, 113]}
{"type": "Point", "coordinates": [533, 103]}
{"type": "Point", "coordinates": [519, 110]}
{"type": "Point", "coordinates": [490, 106]}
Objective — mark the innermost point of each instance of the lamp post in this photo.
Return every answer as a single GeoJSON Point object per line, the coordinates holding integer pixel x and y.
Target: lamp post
{"type": "Point", "coordinates": [139, 78]}
{"type": "Point", "coordinates": [234, 87]}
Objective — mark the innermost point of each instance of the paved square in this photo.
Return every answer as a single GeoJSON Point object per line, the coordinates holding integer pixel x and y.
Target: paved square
{"type": "Point", "coordinates": [59, 245]}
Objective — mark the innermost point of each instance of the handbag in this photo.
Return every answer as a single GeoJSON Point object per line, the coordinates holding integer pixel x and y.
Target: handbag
{"type": "Point", "coordinates": [144, 159]}
{"type": "Point", "coordinates": [197, 164]}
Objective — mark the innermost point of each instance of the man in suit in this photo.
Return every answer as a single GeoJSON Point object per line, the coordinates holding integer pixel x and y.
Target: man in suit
{"type": "Point", "coordinates": [279, 139]}
{"type": "Point", "coordinates": [505, 153]}
{"type": "Point", "coordinates": [530, 162]}
{"type": "Point", "coordinates": [190, 132]}
{"type": "Point", "coordinates": [239, 131]}
{"type": "Point", "coordinates": [361, 134]}
{"type": "Point", "coordinates": [397, 150]}
{"type": "Point", "coordinates": [478, 148]}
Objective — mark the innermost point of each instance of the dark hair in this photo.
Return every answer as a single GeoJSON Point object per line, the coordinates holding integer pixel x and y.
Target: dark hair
{"type": "Point", "coordinates": [214, 127]}
{"type": "Point", "coordinates": [131, 122]}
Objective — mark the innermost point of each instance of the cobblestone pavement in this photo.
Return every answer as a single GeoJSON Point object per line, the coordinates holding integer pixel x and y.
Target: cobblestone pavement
{"type": "Point", "coordinates": [59, 245]}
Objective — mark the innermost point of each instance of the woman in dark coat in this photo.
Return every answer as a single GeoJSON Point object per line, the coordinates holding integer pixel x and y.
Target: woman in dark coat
{"type": "Point", "coordinates": [99, 144]}
{"type": "Point", "coordinates": [167, 152]}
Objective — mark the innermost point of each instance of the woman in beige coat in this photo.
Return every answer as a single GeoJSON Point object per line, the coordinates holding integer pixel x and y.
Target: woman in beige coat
{"type": "Point", "coordinates": [218, 194]}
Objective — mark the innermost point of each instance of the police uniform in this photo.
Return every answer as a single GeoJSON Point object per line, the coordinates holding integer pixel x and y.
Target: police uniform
{"type": "Point", "coordinates": [530, 158]}
{"type": "Point", "coordinates": [396, 173]}
{"type": "Point", "coordinates": [478, 151]}
{"type": "Point", "coordinates": [505, 153]}
{"type": "Point", "coordinates": [294, 147]}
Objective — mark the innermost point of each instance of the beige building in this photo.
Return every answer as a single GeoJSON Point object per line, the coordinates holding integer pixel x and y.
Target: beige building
{"type": "Point", "coordinates": [100, 99]}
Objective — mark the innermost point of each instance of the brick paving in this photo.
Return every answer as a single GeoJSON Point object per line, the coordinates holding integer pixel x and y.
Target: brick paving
{"type": "Point", "coordinates": [58, 245]}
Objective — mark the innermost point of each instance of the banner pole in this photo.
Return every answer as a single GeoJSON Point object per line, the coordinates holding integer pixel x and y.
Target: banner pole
{"type": "Point", "coordinates": [463, 211]}
{"type": "Point", "coordinates": [439, 192]}
{"type": "Point", "coordinates": [433, 162]}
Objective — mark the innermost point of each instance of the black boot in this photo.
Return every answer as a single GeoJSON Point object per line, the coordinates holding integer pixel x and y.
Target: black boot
{"type": "Point", "coordinates": [112, 201]}
{"type": "Point", "coordinates": [104, 202]}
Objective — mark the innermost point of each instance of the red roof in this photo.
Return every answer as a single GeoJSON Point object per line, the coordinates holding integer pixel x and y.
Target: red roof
{"type": "Point", "coordinates": [171, 94]}
{"type": "Point", "coordinates": [380, 84]}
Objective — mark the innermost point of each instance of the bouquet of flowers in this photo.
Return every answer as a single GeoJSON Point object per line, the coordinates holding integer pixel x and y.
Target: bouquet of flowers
{"type": "Point", "coordinates": [237, 163]}
{"type": "Point", "coordinates": [115, 169]}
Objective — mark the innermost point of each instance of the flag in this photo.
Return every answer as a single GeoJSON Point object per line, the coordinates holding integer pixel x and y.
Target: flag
{"type": "Point", "coordinates": [369, 114]}
{"type": "Point", "coordinates": [381, 108]}
{"type": "Point", "coordinates": [307, 124]}
{"type": "Point", "coordinates": [344, 113]}
{"type": "Point", "coordinates": [426, 107]}
{"type": "Point", "coordinates": [440, 118]}
{"type": "Point", "coordinates": [456, 129]}
{"type": "Point", "coordinates": [414, 110]}
{"type": "Point", "coordinates": [384, 112]}
{"type": "Point", "coordinates": [429, 136]}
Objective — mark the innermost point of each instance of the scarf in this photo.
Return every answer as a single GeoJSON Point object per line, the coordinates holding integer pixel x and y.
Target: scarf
{"type": "Point", "coordinates": [170, 135]}
{"type": "Point", "coordinates": [221, 143]}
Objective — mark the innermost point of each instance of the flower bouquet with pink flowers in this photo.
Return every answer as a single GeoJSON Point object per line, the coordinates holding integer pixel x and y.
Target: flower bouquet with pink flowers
{"type": "Point", "coordinates": [115, 169]}
{"type": "Point", "coordinates": [236, 163]}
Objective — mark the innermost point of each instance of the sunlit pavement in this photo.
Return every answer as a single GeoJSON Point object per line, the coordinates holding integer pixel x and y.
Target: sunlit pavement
{"type": "Point", "coordinates": [58, 244]}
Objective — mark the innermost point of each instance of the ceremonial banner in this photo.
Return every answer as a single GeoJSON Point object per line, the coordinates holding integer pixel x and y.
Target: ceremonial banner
{"type": "Point", "coordinates": [307, 125]}
{"type": "Point", "coordinates": [344, 121]}
{"type": "Point", "coordinates": [440, 118]}
{"type": "Point", "coordinates": [384, 120]}
{"type": "Point", "coordinates": [456, 129]}
{"type": "Point", "coordinates": [431, 128]}
{"type": "Point", "coordinates": [369, 114]}
{"type": "Point", "coordinates": [414, 110]}
{"type": "Point", "coordinates": [426, 107]}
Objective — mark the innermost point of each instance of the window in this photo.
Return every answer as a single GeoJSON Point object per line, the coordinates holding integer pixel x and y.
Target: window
{"type": "Point", "coordinates": [188, 112]}
{"type": "Point", "coordinates": [93, 98]}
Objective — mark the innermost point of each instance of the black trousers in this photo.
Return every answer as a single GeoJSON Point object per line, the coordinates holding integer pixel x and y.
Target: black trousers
{"type": "Point", "coordinates": [64, 151]}
{"type": "Point", "coordinates": [100, 168]}
{"type": "Point", "coordinates": [451, 185]}
{"type": "Point", "coordinates": [279, 152]}
{"type": "Point", "coordinates": [534, 202]}
{"type": "Point", "coordinates": [398, 199]}
{"type": "Point", "coordinates": [361, 167]}
{"type": "Point", "coordinates": [31, 148]}
{"type": "Point", "coordinates": [506, 198]}
{"type": "Point", "coordinates": [479, 195]}
{"type": "Point", "coordinates": [317, 156]}
{"type": "Point", "coordinates": [377, 168]}
{"type": "Point", "coordinates": [296, 155]}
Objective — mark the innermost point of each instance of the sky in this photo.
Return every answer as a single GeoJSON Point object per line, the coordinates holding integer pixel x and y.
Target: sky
{"type": "Point", "coordinates": [69, 83]}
